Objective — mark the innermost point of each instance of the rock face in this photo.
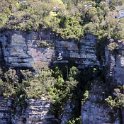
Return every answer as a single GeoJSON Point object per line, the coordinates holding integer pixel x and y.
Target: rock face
{"type": "Point", "coordinates": [40, 49]}
{"type": "Point", "coordinates": [95, 111]}
{"type": "Point", "coordinates": [83, 54]}
{"type": "Point", "coordinates": [15, 50]}
{"type": "Point", "coordinates": [67, 114]}
{"type": "Point", "coordinates": [37, 112]}
{"type": "Point", "coordinates": [5, 113]}
{"type": "Point", "coordinates": [115, 60]}
{"type": "Point", "coordinates": [21, 51]}
{"type": "Point", "coordinates": [35, 50]}
{"type": "Point", "coordinates": [116, 63]}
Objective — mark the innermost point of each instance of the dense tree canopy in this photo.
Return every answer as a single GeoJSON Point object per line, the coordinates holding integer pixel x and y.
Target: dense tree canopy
{"type": "Point", "coordinates": [69, 18]}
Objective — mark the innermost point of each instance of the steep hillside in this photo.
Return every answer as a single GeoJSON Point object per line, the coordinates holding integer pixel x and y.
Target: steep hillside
{"type": "Point", "coordinates": [61, 61]}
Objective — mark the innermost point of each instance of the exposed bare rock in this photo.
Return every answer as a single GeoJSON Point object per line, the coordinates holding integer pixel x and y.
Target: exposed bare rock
{"type": "Point", "coordinates": [95, 111]}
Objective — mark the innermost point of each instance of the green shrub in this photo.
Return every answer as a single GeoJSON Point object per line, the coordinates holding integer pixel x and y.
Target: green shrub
{"type": "Point", "coordinates": [62, 90]}
{"type": "Point", "coordinates": [75, 121]}
{"type": "Point", "coordinates": [40, 84]}
{"type": "Point", "coordinates": [116, 101]}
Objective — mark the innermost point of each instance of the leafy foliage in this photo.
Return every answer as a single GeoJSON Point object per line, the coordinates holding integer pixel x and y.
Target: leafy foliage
{"type": "Point", "coordinates": [75, 121]}
{"type": "Point", "coordinates": [112, 46]}
{"type": "Point", "coordinates": [62, 90]}
{"type": "Point", "coordinates": [118, 100]}
{"type": "Point", "coordinates": [39, 85]}
{"type": "Point", "coordinates": [70, 19]}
